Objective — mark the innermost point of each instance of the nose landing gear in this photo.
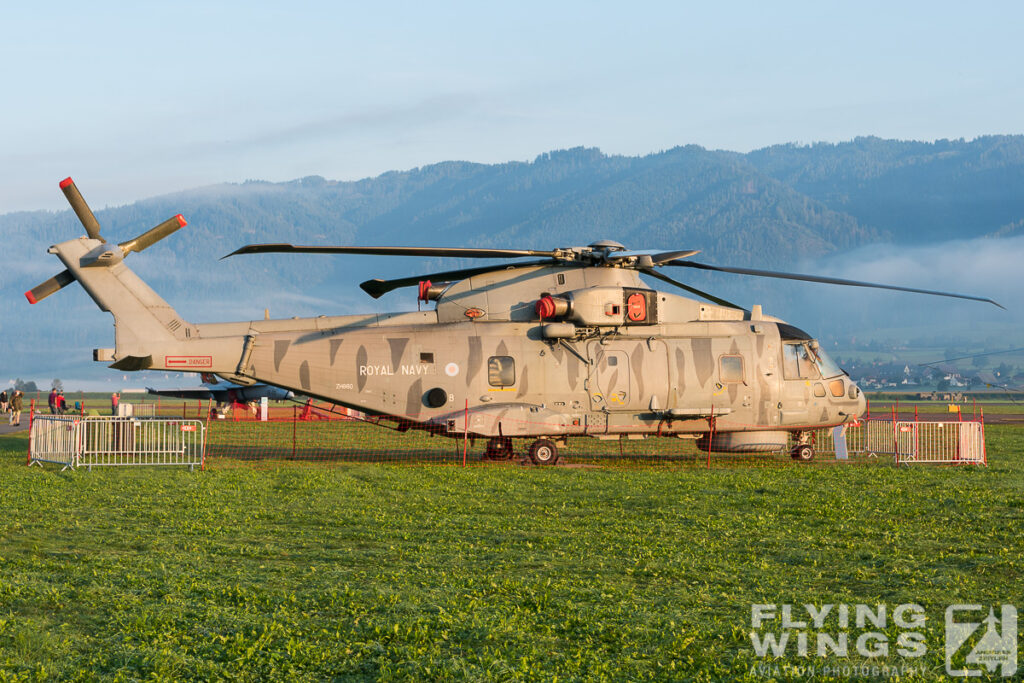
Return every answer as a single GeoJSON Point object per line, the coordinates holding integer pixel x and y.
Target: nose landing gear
{"type": "Point", "coordinates": [803, 451]}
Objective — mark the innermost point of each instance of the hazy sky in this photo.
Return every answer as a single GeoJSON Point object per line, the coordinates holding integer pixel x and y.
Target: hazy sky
{"type": "Point", "coordinates": [138, 99]}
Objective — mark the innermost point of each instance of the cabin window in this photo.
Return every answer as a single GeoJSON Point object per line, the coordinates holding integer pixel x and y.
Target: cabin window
{"type": "Point", "coordinates": [798, 363]}
{"type": "Point", "coordinates": [501, 371]}
{"type": "Point", "coordinates": [837, 388]}
{"type": "Point", "coordinates": [731, 368]}
{"type": "Point", "coordinates": [426, 357]}
{"type": "Point", "coordinates": [819, 390]}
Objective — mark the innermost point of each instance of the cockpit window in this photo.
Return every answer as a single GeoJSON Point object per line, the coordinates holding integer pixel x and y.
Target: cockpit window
{"type": "Point", "coordinates": [801, 361]}
{"type": "Point", "coordinates": [827, 366]}
{"type": "Point", "coordinates": [798, 362]}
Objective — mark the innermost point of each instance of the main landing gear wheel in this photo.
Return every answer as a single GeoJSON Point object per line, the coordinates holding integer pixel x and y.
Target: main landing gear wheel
{"type": "Point", "coordinates": [803, 452]}
{"type": "Point", "coordinates": [498, 448]}
{"type": "Point", "coordinates": [543, 452]}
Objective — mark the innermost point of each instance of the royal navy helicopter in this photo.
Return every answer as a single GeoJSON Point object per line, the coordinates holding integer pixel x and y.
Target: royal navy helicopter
{"type": "Point", "coordinates": [560, 343]}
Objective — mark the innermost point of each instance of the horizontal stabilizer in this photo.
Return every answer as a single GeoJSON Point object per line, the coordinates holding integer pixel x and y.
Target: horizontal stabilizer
{"type": "Point", "coordinates": [54, 284]}
{"type": "Point", "coordinates": [132, 363]}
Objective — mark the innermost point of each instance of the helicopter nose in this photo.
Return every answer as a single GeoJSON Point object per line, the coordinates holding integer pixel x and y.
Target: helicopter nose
{"type": "Point", "coordinates": [862, 402]}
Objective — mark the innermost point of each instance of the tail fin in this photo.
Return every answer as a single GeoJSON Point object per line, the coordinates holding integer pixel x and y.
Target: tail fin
{"type": "Point", "coordinates": [141, 317]}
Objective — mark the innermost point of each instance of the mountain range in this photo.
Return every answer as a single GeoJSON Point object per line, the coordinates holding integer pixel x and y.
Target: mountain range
{"type": "Point", "coordinates": [780, 207]}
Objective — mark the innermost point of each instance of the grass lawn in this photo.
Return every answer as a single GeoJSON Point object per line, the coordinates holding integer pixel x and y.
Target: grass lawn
{"type": "Point", "coordinates": [503, 572]}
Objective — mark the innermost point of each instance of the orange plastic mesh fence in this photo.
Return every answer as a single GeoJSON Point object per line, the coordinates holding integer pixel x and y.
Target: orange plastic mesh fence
{"type": "Point", "coordinates": [314, 432]}
{"type": "Point", "coordinates": [322, 433]}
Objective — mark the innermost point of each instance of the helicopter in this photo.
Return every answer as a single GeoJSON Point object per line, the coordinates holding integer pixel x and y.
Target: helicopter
{"type": "Point", "coordinates": [552, 344]}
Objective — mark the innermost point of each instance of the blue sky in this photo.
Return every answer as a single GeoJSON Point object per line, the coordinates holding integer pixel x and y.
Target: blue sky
{"type": "Point", "coordinates": [139, 99]}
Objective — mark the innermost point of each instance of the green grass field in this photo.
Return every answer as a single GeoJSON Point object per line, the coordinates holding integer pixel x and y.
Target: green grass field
{"type": "Point", "coordinates": [488, 573]}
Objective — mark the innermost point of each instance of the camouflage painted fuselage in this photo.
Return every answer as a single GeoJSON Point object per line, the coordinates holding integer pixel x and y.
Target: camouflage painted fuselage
{"type": "Point", "coordinates": [617, 358]}
{"type": "Point", "coordinates": [601, 375]}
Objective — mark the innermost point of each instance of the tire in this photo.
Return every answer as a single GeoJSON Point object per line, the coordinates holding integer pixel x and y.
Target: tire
{"type": "Point", "coordinates": [543, 452]}
{"type": "Point", "coordinates": [499, 448]}
{"type": "Point", "coordinates": [803, 453]}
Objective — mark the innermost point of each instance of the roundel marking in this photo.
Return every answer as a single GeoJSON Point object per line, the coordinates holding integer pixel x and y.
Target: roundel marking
{"type": "Point", "coordinates": [451, 369]}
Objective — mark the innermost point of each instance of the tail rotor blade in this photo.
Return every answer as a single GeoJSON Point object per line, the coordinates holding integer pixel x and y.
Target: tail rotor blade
{"type": "Point", "coordinates": [54, 284]}
{"type": "Point", "coordinates": [82, 210]}
{"type": "Point", "coordinates": [150, 237]}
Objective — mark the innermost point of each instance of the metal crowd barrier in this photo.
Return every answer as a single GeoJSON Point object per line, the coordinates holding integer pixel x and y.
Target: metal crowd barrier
{"type": "Point", "coordinates": [940, 442]}
{"type": "Point", "coordinates": [917, 442]}
{"type": "Point", "coordinates": [53, 439]}
{"type": "Point", "coordinates": [106, 441]}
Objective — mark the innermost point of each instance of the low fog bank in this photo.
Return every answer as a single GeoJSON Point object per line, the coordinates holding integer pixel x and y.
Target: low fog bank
{"type": "Point", "coordinates": [989, 268]}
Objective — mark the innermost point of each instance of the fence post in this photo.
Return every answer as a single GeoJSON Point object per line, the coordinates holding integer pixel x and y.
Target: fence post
{"type": "Point", "coordinates": [294, 427]}
{"type": "Point", "coordinates": [984, 447]}
{"type": "Point", "coordinates": [895, 436]}
{"type": "Point", "coordinates": [711, 435]}
{"type": "Point", "coordinates": [31, 417]}
{"type": "Point", "coordinates": [465, 435]}
{"type": "Point", "coordinates": [206, 433]}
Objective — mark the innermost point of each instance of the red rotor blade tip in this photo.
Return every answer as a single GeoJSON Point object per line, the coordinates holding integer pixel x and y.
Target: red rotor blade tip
{"type": "Point", "coordinates": [181, 220]}
{"type": "Point", "coordinates": [67, 181]}
{"type": "Point", "coordinates": [31, 299]}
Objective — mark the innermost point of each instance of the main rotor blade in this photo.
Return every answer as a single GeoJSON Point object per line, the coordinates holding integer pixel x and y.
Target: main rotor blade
{"type": "Point", "coordinates": [693, 290]}
{"type": "Point", "coordinates": [150, 237]}
{"type": "Point", "coordinates": [378, 288]}
{"type": "Point", "coordinates": [657, 257]}
{"type": "Point", "coordinates": [667, 256]}
{"type": "Point", "coordinates": [825, 280]}
{"type": "Point", "coordinates": [82, 210]}
{"type": "Point", "coordinates": [454, 252]}
{"type": "Point", "coordinates": [973, 355]}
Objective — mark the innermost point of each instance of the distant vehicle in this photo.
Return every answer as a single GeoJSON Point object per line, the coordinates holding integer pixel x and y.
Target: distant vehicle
{"type": "Point", "coordinates": [226, 393]}
{"type": "Point", "coordinates": [570, 343]}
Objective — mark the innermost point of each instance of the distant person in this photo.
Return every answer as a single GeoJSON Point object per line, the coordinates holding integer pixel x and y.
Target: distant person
{"type": "Point", "coordinates": [62, 405]}
{"type": "Point", "coordinates": [16, 404]}
{"type": "Point", "coordinates": [3, 401]}
{"type": "Point", "coordinates": [52, 400]}
{"type": "Point", "coordinates": [114, 399]}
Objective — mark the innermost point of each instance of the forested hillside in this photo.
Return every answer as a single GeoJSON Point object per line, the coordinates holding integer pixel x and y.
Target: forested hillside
{"type": "Point", "coordinates": [915, 191]}
{"type": "Point", "coordinates": [778, 207]}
